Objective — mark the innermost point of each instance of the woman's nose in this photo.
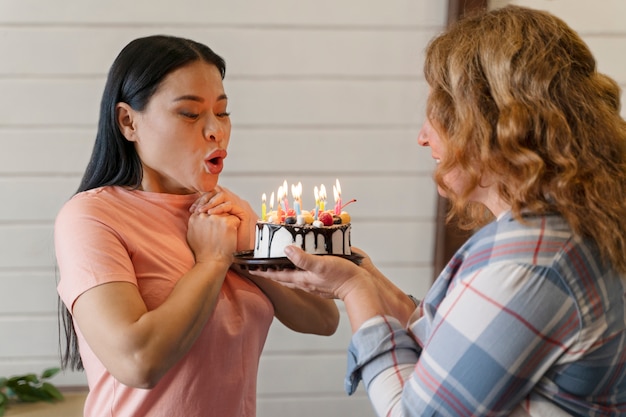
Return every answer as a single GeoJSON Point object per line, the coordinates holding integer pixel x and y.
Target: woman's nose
{"type": "Point", "coordinates": [213, 129]}
{"type": "Point", "coordinates": [422, 137]}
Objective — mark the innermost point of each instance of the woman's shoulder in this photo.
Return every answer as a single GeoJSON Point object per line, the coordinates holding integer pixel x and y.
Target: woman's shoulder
{"type": "Point", "coordinates": [100, 202]}
{"type": "Point", "coordinates": [525, 231]}
{"type": "Point", "coordinates": [108, 194]}
{"type": "Point", "coordinates": [531, 240]}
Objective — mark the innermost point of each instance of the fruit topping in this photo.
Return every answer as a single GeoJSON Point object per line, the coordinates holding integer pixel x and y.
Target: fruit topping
{"type": "Point", "coordinates": [326, 218]}
{"type": "Point", "coordinates": [308, 217]}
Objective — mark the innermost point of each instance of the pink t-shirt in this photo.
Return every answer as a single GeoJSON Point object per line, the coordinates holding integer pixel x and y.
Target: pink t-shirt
{"type": "Point", "coordinates": [112, 234]}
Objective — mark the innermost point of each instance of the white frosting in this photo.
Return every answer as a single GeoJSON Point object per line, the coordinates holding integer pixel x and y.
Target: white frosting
{"type": "Point", "coordinates": [268, 245]}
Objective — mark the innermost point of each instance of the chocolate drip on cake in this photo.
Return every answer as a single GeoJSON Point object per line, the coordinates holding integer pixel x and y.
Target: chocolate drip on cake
{"type": "Point", "coordinates": [302, 230]}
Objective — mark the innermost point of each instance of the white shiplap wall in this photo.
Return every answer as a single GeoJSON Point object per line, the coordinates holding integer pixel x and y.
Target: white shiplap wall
{"type": "Point", "coordinates": [318, 90]}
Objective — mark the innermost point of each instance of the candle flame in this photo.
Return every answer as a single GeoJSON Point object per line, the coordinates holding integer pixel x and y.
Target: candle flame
{"type": "Point", "coordinates": [296, 190]}
{"type": "Point", "coordinates": [322, 192]}
{"type": "Point", "coordinates": [338, 186]}
{"type": "Point", "coordinates": [317, 194]}
{"type": "Point", "coordinates": [271, 201]}
{"type": "Point", "coordinates": [263, 198]}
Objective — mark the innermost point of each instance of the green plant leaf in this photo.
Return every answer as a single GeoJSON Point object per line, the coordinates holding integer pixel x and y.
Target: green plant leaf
{"type": "Point", "coordinates": [29, 398]}
{"type": "Point", "coordinates": [28, 393]}
{"type": "Point", "coordinates": [50, 372]}
{"type": "Point", "coordinates": [28, 388]}
{"type": "Point", "coordinates": [23, 378]}
{"type": "Point", "coordinates": [52, 391]}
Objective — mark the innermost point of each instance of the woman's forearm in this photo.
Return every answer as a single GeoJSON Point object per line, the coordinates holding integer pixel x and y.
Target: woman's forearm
{"type": "Point", "coordinates": [376, 295]}
{"type": "Point", "coordinates": [299, 310]}
{"type": "Point", "coordinates": [136, 345]}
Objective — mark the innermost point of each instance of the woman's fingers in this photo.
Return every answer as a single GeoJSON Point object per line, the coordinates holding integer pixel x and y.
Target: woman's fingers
{"type": "Point", "coordinates": [212, 202]}
{"type": "Point", "coordinates": [313, 274]}
{"type": "Point", "coordinates": [202, 201]}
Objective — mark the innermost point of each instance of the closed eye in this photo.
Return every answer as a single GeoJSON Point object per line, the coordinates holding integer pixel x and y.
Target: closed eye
{"type": "Point", "coordinates": [192, 116]}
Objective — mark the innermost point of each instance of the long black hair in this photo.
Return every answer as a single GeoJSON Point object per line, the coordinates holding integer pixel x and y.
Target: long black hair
{"type": "Point", "coordinates": [133, 78]}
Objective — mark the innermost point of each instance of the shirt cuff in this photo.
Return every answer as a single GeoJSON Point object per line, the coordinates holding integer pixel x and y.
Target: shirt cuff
{"type": "Point", "coordinates": [380, 343]}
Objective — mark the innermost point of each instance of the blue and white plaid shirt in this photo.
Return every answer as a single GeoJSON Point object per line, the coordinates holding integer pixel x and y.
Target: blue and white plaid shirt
{"type": "Point", "coordinates": [525, 320]}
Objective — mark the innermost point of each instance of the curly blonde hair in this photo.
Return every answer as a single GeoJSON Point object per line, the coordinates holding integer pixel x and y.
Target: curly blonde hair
{"type": "Point", "coordinates": [516, 95]}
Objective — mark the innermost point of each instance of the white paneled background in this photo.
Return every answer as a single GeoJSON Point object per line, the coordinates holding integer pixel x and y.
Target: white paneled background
{"type": "Point", "coordinates": [318, 90]}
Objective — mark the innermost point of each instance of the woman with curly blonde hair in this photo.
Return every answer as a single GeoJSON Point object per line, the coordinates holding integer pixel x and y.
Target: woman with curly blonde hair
{"type": "Point", "coordinates": [523, 104]}
{"type": "Point", "coordinates": [529, 316]}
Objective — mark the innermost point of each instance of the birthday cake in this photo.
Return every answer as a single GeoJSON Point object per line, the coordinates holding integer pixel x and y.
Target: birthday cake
{"type": "Point", "coordinates": [317, 237]}
{"type": "Point", "coordinates": [318, 231]}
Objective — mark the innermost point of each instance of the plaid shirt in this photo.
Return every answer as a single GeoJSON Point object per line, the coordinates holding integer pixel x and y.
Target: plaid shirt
{"type": "Point", "coordinates": [525, 320]}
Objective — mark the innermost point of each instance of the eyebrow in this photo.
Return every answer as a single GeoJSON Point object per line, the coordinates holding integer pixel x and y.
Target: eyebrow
{"type": "Point", "coordinates": [198, 98]}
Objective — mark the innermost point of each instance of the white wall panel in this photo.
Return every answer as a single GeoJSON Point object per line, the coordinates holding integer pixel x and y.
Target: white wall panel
{"type": "Point", "coordinates": [250, 51]}
{"type": "Point", "coordinates": [275, 371]}
{"type": "Point", "coordinates": [47, 196]}
{"type": "Point", "coordinates": [304, 406]}
{"type": "Point", "coordinates": [325, 151]}
{"type": "Point", "coordinates": [603, 16]}
{"type": "Point", "coordinates": [31, 292]}
{"type": "Point", "coordinates": [26, 246]}
{"type": "Point", "coordinates": [45, 151]}
{"type": "Point", "coordinates": [37, 333]}
{"type": "Point", "coordinates": [345, 13]}
{"type": "Point", "coordinates": [318, 90]}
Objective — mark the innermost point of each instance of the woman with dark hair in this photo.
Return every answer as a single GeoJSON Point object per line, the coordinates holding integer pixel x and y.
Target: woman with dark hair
{"type": "Point", "coordinates": [529, 316]}
{"type": "Point", "coordinates": [152, 312]}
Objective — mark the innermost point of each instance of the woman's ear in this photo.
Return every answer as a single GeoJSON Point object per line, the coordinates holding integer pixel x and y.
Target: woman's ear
{"type": "Point", "coordinates": [125, 115]}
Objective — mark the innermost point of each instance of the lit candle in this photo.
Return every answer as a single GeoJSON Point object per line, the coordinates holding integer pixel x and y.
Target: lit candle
{"type": "Point", "coordinates": [280, 215]}
{"type": "Point", "coordinates": [285, 195]}
{"type": "Point", "coordinates": [299, 188]}
{"type": "Point", "coordinates": [279, 198]}
{"type": "Point", "coordinates": [263, 208]}
{"type": "Point", "coordinates": [296, 199]}
{"type": "Point", "coordinates": [273, 214]}
{"type": "Point", "coordinates": [317, 202]}
{"type": "Point", "coordinates": [322, 198]}
{"type": "Point", "coordinates": [337, 193]}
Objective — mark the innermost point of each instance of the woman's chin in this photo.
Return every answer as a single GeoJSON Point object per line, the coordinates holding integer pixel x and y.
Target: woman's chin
{"type": "Point", "coordinates": [207, 185]}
